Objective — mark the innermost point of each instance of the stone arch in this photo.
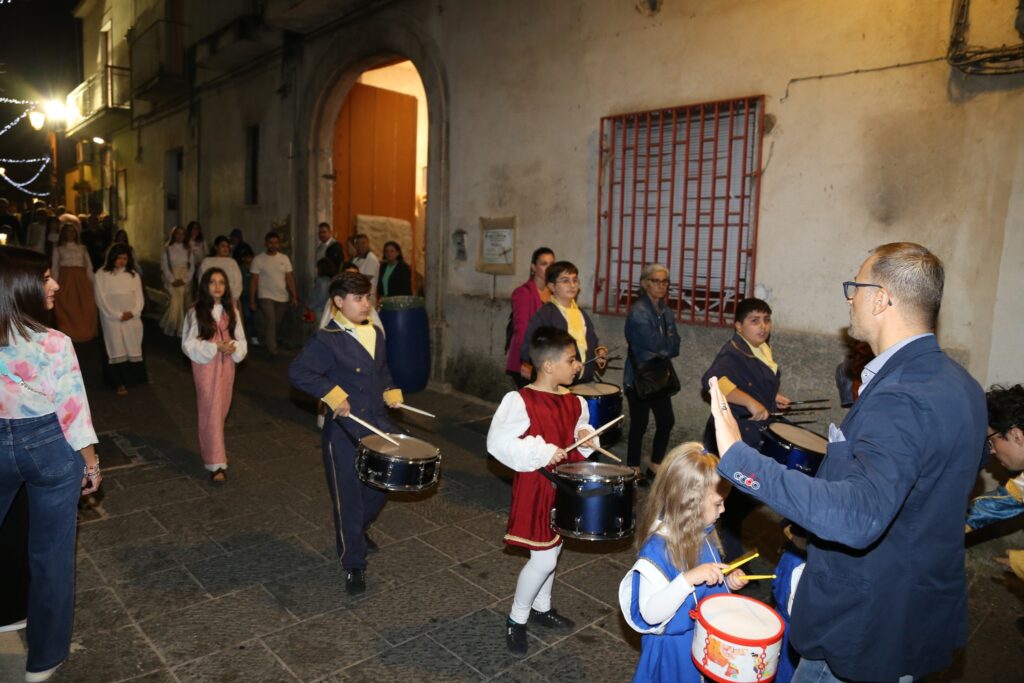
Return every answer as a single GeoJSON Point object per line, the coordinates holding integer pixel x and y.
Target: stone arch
{"type": "Point", "coordinates": [331, 65]}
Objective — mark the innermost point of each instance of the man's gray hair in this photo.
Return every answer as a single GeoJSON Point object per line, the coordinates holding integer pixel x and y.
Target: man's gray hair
{"type": "Point", "coordinates": [914, 277]}
{"type": "Point", "coordinates": [650, 269]}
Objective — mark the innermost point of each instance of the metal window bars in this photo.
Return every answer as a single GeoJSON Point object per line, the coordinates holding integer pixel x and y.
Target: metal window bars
{"type": "Point", "coordinates": [680, 187]}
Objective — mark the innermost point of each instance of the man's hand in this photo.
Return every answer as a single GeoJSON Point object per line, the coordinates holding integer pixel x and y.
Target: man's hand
{"type": "Point", "coordinates": [601, 358]}
{"type": "Point", "coordinates": [758, 412]}
{"type": "Point", "coordinates": [736, 580]}
{"type": "Point", "coordinates": [782, 402]}
{"type": "Point", "coordinates": [727, 431]}
{"type": "Point", "coordinates": [226, 347]}
{"type": "Point", "coordinates": [582, 433]}
{"type": "Point", "coordinates": [127, 315]}
{"type": "Point", "coordinates": [526, 371]}
{"type": "Point", "coordinates": [709, 573]}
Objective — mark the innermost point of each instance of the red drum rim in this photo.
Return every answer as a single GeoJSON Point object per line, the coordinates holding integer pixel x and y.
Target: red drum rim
{"type": "Point", "coordinates": [729, 637]}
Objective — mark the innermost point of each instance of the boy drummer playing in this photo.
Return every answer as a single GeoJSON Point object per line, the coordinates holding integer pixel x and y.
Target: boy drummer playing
{"type": "Point", "coordinates": [527, 434]}
{"type": "Point", "coordinates": [344, 364]}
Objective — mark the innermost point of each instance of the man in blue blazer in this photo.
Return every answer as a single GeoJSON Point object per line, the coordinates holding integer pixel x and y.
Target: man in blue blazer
{"type": "Point", "coordinates": [884, 594]}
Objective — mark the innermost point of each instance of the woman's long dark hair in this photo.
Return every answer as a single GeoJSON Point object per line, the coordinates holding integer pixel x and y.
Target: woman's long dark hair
{"type": "Point", "coordinates": [205, 303]}
{"type": "Point", "coordinates": [115, 251]}
{"type": "Point", "coordinates": [22, 295]}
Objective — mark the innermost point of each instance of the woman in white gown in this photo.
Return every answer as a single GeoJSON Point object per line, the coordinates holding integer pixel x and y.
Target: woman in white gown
{"type": "Point", "coordinates": [120, 299]}
{"type": "Point", "coordinates": [177, 267]}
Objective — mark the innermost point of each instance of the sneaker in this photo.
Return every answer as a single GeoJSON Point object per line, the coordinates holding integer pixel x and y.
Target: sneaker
{"type": "Point", "coordinates": [355, 581]}
{"type": "Point", "coordinates": [16, 626]}
{"type": "Point", "coordinates": [551, 619]}
{"type": "Point", "coordinates": [371, 545]}
{"type": "Point", "coordinates": [39, 676]}
{"type": "Point", "coordinates": [515, 638]}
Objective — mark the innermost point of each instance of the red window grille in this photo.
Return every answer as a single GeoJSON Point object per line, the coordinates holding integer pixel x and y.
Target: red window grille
{"type": "Point", "coordinates": [680, 187]}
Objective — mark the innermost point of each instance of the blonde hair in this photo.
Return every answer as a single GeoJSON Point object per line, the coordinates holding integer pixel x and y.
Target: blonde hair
{"type": "Point", "coordinates": [676, 503]}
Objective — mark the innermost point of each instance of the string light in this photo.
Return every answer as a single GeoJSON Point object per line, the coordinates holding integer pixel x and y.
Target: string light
{"type": "Point", "coordinates": [24, 161]}
{"type": "Point", "coordinates": [13, 123]}
{"type": "Point", "coordinates": [23, 186]}
{"type": "Point", "coordinates": [8, 100]}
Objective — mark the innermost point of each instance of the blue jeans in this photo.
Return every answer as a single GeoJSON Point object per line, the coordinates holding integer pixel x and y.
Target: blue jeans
{"type": "Point", "coordinates": [34, 452]}
{"type": "Point", "coordinates": [817, 671]}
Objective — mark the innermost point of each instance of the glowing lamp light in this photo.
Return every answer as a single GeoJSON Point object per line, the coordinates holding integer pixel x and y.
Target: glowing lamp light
{"type": "Point", "coordinates": [55, 110]}
{"type": "Point", "coordinates": [3, 238]}
{"type": "Point", "coordinates": [99, 141]}
{"type": "Point", "coordinates": [3, 171]}
{"type": "Point", "coordinates": [37, 119]}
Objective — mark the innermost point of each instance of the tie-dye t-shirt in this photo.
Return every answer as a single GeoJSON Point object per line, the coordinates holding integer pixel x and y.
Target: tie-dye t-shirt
{"type": "Point", "coordinates": [48, 366]}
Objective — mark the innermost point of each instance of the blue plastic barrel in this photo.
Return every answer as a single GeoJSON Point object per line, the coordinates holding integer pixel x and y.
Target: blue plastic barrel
{"type": "Point", "coordinates": [408, 341]}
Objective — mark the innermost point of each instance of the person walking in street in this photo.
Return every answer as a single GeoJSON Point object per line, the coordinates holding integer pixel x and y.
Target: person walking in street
{"type": "Point", "coordinates": [214, 340]}
{"type": "Point", "coordinates": [221, 258]}
{"type": "Point", "coordinates": [366, 261]}
{"type": "Point", "coordinates": [328, 247]}
{"type": "Point", "coordinates": [884, 594]}
{"type": "Point", "coordinates": [651, 336]}
{"type": "Point", "coordinates": [48, 443]}
{"type": "Point", "coordinates": [527, 299]}
{"type": "Point", "coordinates": [76, 304]}
{"type": "Point", "coordinates": [120, 300]}
{"type": "Point", "coordinates": [272, 285]}
{"type": "Point", "coordinates": [176, 266]}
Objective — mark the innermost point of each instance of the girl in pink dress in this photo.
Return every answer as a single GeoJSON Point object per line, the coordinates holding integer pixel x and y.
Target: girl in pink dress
{"type": "Point", "coordinates": [214, 341]}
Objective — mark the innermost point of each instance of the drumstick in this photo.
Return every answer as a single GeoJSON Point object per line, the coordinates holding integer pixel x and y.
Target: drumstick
{"type": "Point", "coordinates": [607, 453]}
{"type": "Point", "coordinates": [596, 432]}
{"type": "Point", "coordinates": [404, 406]}
{"type": "Point", "coordinates": [757, 577]}
{"type": "Point", "coordinates": [373, 429]}
{"type": "Point", "coordinates": [743, 560]}
{"type": "Point", "coordinates": [809, 400]}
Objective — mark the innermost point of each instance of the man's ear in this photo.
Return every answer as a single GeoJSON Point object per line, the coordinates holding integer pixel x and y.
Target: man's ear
{"type": "Point", "coordinates": [1016, 435]}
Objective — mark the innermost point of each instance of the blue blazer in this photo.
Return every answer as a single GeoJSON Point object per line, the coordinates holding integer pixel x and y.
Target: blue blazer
{"type": "Point", "coordinates": [550, 316]}
{"type": "Point", "coordinates": [333, 357]}
{"type": "Point", "coordinates": [884, 593]}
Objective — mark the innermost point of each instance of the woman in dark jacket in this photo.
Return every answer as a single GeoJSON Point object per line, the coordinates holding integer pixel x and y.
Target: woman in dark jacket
{"type": "Point", "coordinates": [395, 276]}
{"type": "Point", "coordinates": [651, 334]}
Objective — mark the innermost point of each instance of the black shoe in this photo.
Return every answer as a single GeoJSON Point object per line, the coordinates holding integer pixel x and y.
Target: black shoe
{"type": "Point", "coordinates": [371, 545]}
{"type": "Point", "coordinates": [355, 581]}
{"type": "Point", "coordinates": [551, 619]}
{"type": "Point", "coordinates": [515, 638]}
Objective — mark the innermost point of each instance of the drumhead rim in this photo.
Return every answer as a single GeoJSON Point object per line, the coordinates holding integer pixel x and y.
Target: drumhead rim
{"type": "Point", "coordinates": [820, 442]}
{"type": "Point", "coordinates": [616, 387]}
{"type": "Point", "coordinates": [627, 475]}
{"type": "Point", "coordinates": [392, 454]}
{"type": "Point", "coordinates": [752, 642]}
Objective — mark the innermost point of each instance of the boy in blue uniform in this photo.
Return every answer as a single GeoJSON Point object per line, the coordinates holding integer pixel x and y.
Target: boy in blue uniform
{"type": "Point", "coordinates": [344, 365]}
{"type": "Point", "coordinates": [749, 377]}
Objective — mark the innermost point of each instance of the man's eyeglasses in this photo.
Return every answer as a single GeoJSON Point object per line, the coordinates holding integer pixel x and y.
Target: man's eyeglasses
{"type": "Point", "coordinates": [850, 288]}
{"type": "Point", "coordinates": [568, 281]}
{"type": "Point", "coordinates": [658, 281]}
{"type": "Point", "coordinates": [991, 438]}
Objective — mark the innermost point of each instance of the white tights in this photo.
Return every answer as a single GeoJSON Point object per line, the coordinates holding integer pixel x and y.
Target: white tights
{"type": "Point", "coordinates": [533, 589]}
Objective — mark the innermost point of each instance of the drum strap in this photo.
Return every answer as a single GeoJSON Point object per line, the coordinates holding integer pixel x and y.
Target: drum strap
{"type": "Point", "coordinates": [562, 484]}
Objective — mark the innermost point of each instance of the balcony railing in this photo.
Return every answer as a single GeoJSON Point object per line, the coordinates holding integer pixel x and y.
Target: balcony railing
{"type": "Point", "coordinates": [158, 59]}
{"type": "Point", "coordinates": [107, 89]}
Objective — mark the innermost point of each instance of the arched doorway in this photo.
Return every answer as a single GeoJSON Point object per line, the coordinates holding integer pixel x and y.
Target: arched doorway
{"type": "Point", "coordinates": [380, 162]}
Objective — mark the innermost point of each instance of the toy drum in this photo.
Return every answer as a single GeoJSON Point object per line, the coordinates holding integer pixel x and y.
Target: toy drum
{"type": "Point", "coordinates": [414, 465]}
{"type": "Point", "coordinates": [604, 401]}
{"type": "Point", "coordinates": [594, 501]}
{"type": "Point", "coordinates": [736, 639]}
{"type": "Point", "coordinates": [796, 448]}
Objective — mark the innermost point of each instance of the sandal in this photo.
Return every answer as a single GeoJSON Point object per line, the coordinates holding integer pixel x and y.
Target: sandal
{"type": "Point", "coordinates": [219, 476]}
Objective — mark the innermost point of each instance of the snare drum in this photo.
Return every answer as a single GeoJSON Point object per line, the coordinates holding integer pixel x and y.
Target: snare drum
{"type": "Point", "coordinates": [604, 401]}
{"type": "Point", "coordinates": [413, 465]}
{"type": "Point", "coordinates": [594, 501]}
{"type": "Point", "coordinates": [736, 639]}
{"type": "Point", "coordinates": [796, 448]}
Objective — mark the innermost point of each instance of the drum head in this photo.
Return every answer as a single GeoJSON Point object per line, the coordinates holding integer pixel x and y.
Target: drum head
{"type": "Point", "coordinates": [740, 617]}
{"type": "Point", "coordinates": [809, 441]}
{"type": "Point", "coordinates": [596, 471]}
{"type": "Point", "coordinates": [594, 389]}
{"type": "Point", "coordinates": [411, 448]}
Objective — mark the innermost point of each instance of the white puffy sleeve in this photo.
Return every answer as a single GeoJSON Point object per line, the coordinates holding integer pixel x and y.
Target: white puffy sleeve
{"type": "Point", "coordinates": [198, 350]}
{"type": "Point", "coordinates": [505, 440]}
{"type": "Point", "coordinates": [241, 346]}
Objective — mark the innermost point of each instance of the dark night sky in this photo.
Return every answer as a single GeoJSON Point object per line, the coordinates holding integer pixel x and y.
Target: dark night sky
{"type": "Point", "coordinates": [41, 55]}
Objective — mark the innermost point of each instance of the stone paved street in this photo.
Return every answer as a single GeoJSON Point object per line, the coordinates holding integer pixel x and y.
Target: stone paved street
{"type": "Point", "coordinates": [179, 580]}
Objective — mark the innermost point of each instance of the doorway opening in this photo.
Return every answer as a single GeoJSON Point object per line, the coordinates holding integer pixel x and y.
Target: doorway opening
{"type": "Point", "coordinates": [380, 164]}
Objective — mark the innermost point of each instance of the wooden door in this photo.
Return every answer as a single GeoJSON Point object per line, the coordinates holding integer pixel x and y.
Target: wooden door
{"type": "Point", "coordinates": [374, 157]}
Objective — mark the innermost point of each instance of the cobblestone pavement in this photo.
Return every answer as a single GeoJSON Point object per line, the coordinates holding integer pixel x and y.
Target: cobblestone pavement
{"type": "Point", "coordinates": [181, 580]}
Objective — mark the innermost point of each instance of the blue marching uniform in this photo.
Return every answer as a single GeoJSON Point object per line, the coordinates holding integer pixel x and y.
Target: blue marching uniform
{"type": "Point", "coordinates": [550, 316]}
{"type": "Point", "coordinates": [751, 375]}
{"type": "Point", "coordinates": [334, 366]}
{"type": "Point", "coordinates": [666, 656]}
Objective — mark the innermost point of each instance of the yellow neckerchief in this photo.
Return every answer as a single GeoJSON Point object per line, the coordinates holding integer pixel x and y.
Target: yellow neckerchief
{"type": "Point", "coordinates": [365, 333]}
{"type": "Point", "coordinates": [577, 328]}
{"type": "Point", "coordinates": [763, 353]}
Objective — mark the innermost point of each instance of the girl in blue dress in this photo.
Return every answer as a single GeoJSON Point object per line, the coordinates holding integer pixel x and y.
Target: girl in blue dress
{"type": "Point", "coordinates": [679, 563]}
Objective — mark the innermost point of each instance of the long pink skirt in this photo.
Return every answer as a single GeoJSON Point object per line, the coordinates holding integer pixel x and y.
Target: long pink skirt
{"type": "Point", "coordinates": [214, 383]}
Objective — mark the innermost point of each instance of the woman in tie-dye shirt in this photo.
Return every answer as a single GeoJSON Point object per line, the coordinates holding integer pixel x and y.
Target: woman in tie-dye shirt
{"type": "Point", "coordinates": [46, 443]}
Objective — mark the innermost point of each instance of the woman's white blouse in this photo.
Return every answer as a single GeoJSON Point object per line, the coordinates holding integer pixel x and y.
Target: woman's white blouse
{"type": "Point", "coordinates": [202, 351]}
{"type": "Point", "coordinates": [118, 291]}
{"type": "Point", "coordinates": [70, 255]}
{"type": "Point", "coordinates": [176, 256]}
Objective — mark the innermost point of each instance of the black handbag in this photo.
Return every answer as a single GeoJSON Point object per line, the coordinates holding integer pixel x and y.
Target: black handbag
{"type": "Point", "coordinates": [654, 379]}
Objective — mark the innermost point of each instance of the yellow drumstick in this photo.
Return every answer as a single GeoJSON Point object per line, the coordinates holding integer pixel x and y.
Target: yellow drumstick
{"type": "Point", "coordinates": [755, 577]}
{"type": "Point", "coordinates": [742, 561]}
